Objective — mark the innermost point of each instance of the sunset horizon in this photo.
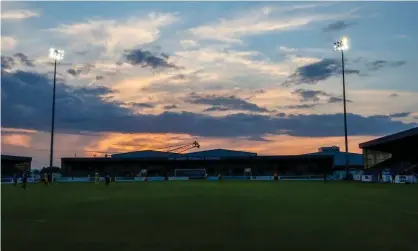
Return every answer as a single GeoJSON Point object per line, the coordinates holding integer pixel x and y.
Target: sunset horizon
{"type": "Point", "coordinates": [261, 77]}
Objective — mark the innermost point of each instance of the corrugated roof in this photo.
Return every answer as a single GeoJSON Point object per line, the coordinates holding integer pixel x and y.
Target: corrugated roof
{"type": "Point", "coordinates": [389, 138]}
{"type": "Point", "coordinates": [143, 154]}
{"type": "Point", "coordinates": [220, 153]}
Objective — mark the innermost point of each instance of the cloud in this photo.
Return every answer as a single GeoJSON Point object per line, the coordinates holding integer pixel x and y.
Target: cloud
{"type": "Point", "coordinates": [338, 100]}
{"type": "Point", "coordinates": [379, 64]}
{"type": "Point", "coordinates": [301, 106]}
{"type": "Point", "coordinates": [16, 140]}
{"type": "Point", "coordinates": [315, 97]}
{"type": "Point", "coordinates": [222, 103]}
{"type": "Point", "coordinates": [23, 59]}
{"type": "Point", "coordinates": [147, 59]}
{"type": "Point", "coordinates": [170, 107]}
{"type": "Point", "coordinates": [229, 63]}
{"type": "Point", "coordinates": [399, 115]}
{"type": "Point", "coordinates": [141, 105]}
{"type": "Point", "coordinates": [318, 71]}
{"type": "Point", "coordinates": [217, 108]}
{"type": "Point", "coordinates": [187, 44]}
{"type": "Point", "coordinates": [78, 70]}
{"type": "Point", "coordinates": [91, 110]}
{"type": "Point", "coordinates": [115, 36]}
{"type": "Point", "coordinates": [310, 95]}
{"type": "Point", "coordinates": [18, 14]}
{"type": "Point", "coordinates": [337, 26]}
{"type": "Point", "coordinates": [9, 62]}
{"type": "Point", "coordinates": [257, 22]}
{"type": "Point", "coordinates": [8, 43]}
{"type": "Point", "coordinates": [287, 49]}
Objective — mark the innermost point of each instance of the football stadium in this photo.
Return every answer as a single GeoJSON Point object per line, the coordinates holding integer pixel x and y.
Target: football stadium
{"type": "Point", "coordinates": [226, 163]}
{"type": "Point", "coordinates": [219, 200]}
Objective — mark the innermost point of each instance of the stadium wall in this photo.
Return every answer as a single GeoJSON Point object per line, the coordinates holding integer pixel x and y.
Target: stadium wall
{"type": "Point", "coordinates": [226, 166]}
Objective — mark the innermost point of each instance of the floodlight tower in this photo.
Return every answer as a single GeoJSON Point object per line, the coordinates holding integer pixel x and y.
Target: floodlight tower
{"type": "Point", "coordinates": [56, 55]}
{"type": "Point", "coordinates": [342, 45]}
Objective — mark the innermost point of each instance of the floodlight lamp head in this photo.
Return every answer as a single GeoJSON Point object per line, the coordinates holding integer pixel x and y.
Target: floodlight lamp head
{"type": "Point", "coordinates": [341, 45]}
{"type": "Point", "coordinates": [56, 54]}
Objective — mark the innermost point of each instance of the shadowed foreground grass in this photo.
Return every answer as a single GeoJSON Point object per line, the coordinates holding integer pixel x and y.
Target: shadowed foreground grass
{"type": "Point", "coordinates": [210, 215]}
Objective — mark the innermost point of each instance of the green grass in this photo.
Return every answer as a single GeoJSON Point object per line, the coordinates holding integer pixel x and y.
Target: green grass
{"type": "Point", "coordinates": [210, 215]}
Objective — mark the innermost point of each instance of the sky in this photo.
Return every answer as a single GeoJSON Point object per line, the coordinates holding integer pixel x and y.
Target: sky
{"type": "Point", "coordinates": [251, 76]}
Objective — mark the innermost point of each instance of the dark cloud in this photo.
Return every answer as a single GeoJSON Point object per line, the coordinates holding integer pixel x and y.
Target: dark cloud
{"type": "Point", "coordinates": [379, 64]}
{"type": "Point", "coordinates": [164, 55]}
{"type": "Point", "coordinates": [73, 72]}
{"type": "Point", "coordinates": [24, 59]}
{"type": "Point", "coordinates": [326, 68]}
{"type": "Point", "coordinates": [314, 96]}
{"type": "Point", "coordinates": [318, 71]}
{"type": "Point", "coordinates": [76, 71]}
{"type": "Point", "coordinates": [170, 107]}
{"type": "Point", "coordinates": [141, 105]}
{"type": "Point", "coordinates": [230, 102]}
{"type": "Point", "coordinates": [88, 110]}
{"type": "Point", "coordinates": [8, 62]}
{"type": "Point", "coordinates": [393, 95]}
{"type": "Point", "coordinates": [309, 95]}
{"type": "Point", "coordinates": [147, 59]}
{"type": "Point", "coordinates": [338, 100]}
{"type": "Point", "coordinates": [217, 108]}
{"type": "Point", "coordinates": [30, 95]}
{"type": "Point", "coordinates": [89, 91]}
{"type": "Point", "coordinates": [399, 115]}
{"type": "Point", "coordinates": [301, 106]}
{"type": "Point", "coordinates": [337, 26]}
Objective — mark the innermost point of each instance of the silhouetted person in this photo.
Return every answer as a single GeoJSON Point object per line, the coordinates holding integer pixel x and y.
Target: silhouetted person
{"type": "Point", "coordinates": [15, 179]}
{"type": "Point", "coordinates": [24, 181]}
{"type": "Point", "coordinates": [107, 179]}
{"type": "Point", "coordinates": [49, 178]}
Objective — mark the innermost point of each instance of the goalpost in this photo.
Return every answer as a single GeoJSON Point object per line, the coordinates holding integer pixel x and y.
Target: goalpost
{"type": "Point", "coordinates": [191, 173]}
{"type": "Point", "coordinates": [248, 173]}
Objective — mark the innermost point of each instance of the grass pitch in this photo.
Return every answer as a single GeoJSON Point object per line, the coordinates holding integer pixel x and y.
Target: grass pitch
{"type": "Point", "coordinates": [210, 215]}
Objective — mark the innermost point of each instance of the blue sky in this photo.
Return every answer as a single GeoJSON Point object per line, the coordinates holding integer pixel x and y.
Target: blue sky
{"type": "Point", "coordinates": [257, 76]}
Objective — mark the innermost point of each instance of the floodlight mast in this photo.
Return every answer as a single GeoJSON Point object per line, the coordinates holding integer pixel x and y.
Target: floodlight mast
{"type": "Point", "coordinates": [342, 45]}
{"type": "Point", "coordinates": [56, 55]}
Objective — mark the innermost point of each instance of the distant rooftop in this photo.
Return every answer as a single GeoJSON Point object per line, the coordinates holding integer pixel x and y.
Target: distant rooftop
{"type": "Point", "coordinates": [354, 159]}
{"type": "Point", "coordinates": [15, 158]}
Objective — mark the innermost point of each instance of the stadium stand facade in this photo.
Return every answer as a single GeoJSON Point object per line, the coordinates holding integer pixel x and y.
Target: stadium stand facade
{"type": "Point", "coordinates": [12, 165]}
{"type": "Point", "coordinates": [397, 153]}
{"type": "Point", "coordinates": [215, 162]}
{"type": "Point", "coordinates": [355, 161]}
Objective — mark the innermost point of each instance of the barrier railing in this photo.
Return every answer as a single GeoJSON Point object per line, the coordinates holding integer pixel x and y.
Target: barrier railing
{"type": "Point", "coordinates": [363, 178]}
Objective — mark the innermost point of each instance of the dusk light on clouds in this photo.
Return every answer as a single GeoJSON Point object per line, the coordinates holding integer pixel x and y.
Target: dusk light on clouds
{"type": "Point", "coordinates": [252, 76]}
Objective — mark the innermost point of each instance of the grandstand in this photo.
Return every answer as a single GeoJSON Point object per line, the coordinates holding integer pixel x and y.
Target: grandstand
{"type": "Point", "coordinates": [11, 165]}
{"type": "Point", "coordinates": [217, 161]}
{"type": "Point", "coordinates": [397, 152]}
